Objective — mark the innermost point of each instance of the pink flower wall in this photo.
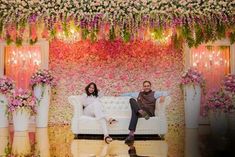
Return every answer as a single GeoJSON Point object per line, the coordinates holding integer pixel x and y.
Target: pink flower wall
{"type": "Point", "coordinates": [116, 67]}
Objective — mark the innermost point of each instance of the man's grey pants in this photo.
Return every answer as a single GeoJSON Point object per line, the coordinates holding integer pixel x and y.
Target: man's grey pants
{"type": "Point", "coordinates": [135, 107]}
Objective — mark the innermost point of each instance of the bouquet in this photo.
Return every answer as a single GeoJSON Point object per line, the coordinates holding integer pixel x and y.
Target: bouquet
{"type": "Point", "coordinates": [192, 76]}
{"type": "Point", "coordinates": [6, 85]}
{"type": "Point", "coordinates": [22, 100]}
{"type": "Point", "coordinates": [219, 101]}
{"type": "Point", "coordinates": [42, 76]}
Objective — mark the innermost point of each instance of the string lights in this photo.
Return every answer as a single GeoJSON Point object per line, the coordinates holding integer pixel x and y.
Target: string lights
{"type": "Point", "coordinates": [209, 59]}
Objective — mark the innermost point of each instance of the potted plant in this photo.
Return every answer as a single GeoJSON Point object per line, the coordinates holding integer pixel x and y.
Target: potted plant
{"type": "Point", "coordinates": [6, 87]}
{"type": "Point", "coordinates": [41, 82]}
{"type": "Point", "coordinates": [21, 106]}
{"type": "Point", "coordinates": [218, 104]}
{"type": "Point", "coordinates": [192, 82]}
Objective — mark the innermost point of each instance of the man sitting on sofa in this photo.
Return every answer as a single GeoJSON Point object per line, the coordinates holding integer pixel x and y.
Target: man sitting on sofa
{"type": "Point", "coordinates": [142, 105]}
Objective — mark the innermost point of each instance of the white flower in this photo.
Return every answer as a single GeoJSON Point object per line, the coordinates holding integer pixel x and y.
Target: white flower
{"type": "Point", "coordinates": [113, 4]}
{"type": "Point", "coordinates": [105, 3]}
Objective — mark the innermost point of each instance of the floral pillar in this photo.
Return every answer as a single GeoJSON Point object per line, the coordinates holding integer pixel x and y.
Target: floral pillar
{"type": "Point", "coordinates": [42, 81]}
{"type": "Point", "coordinates": [6, 87]}
{"type": "Point", "coordinates": [192, 81]}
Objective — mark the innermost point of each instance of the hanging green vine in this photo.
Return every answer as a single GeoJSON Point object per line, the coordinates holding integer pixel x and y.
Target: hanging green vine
{"type": "Point", "coordinates": [112, 34]}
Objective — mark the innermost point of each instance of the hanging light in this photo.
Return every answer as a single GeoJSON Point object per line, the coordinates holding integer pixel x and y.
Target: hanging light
{"type": "Point", "coordinates": [70, 36]}
{"type": "Point", "coordinates": [208, 59]}
{"type": "Point", "coordinates": [161, 36]}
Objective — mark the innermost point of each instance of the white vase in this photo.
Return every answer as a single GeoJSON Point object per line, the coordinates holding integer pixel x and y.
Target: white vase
{"type": "Point", "coordinates": [21, 144]}
{"type": "Point", "coordinates": [42, 142]}
{"type": "Point", "coordinates": [192, 101]}
{"type": "Point", "coordinates": [21, 120]}
{"type": "Point", "coordinates": [4, 140]}
{"type": "Point", "coordinates": [218, 122]}
{"type": "Point", "coordinates": [42, 93]}
{"type": "Point", "coordinates": [3, 109]}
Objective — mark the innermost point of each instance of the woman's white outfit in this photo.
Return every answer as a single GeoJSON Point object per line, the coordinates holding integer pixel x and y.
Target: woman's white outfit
{"type": "Point", "coordinates": [94, 108]}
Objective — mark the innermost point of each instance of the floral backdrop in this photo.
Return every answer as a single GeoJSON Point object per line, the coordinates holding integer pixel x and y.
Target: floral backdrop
{"type": "Point", "coordinates": [192, 21]}
{"type": "Point", "coordinates": [116, 67]}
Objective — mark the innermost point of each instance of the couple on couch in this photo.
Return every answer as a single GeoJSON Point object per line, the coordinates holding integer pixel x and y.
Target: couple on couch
{"type": "Point", "coordinates": [142, 105]}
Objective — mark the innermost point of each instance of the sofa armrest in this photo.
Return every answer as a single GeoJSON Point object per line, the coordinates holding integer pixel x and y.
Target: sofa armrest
{"type": "Point", "coordinates": [77, 106]}
{"type": "Point", "coordinates": [161, 107]}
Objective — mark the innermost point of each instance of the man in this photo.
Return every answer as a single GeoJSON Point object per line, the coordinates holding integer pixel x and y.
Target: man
{"type": "Point", "coordinates": [144, 106]}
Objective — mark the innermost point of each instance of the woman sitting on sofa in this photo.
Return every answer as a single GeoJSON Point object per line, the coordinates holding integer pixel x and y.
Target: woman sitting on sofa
{"type": "Point", "coordinates": [93, 107]}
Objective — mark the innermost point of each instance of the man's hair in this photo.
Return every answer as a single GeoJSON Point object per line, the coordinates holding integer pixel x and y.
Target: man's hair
{"type": "Point", "coordinates": [147, 82]}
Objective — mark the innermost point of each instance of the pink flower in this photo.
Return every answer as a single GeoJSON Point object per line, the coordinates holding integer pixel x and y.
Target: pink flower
{"type": "Point", "coordinates": [42, 76]}
{"type": "Point", "coordinates": [192, 76]}
{"type": "Point", "coordinates": [22, 99]}
{"type": "Point", "coordinates": [229, 83]}
{"type": "Point", "coordinates": [111, 76]}
{"type": "Point", "coordinates": [6, 85]}
{"type": "Point", "coordinates": [219, 100]}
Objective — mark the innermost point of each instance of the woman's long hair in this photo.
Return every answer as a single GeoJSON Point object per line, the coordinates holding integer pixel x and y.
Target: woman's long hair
{"type": "Point", "coordinates": [95, 93]}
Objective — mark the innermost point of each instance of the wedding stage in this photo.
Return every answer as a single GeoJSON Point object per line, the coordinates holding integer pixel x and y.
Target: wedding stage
{"type": "Point", "coordinates": [51, 50]}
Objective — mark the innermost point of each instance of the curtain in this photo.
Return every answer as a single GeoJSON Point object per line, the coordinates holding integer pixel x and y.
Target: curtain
{"type": "Point", "coordinates": [21, 63]}
{"type": "Point", "coordinates": [214, 63]}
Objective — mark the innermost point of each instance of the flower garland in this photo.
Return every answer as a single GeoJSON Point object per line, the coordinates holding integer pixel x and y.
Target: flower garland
{"type": "Point", "coordinates": [210, 20]}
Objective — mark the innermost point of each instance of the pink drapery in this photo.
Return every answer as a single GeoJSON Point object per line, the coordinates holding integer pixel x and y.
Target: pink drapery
{"type": "Point", "coordinates": [21, 63]}
{"type": "Point", "coordinates": [213, 63]}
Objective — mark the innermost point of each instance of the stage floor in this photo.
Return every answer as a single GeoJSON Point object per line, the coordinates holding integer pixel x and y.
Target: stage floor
{"type": "Point", "coordinates": [58, 141]}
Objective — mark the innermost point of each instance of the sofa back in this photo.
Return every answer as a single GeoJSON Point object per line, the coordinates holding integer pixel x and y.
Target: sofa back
{"type": "Point", "coordinates": [116, 106]}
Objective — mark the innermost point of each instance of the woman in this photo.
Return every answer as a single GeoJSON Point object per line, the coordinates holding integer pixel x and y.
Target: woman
{"type": "Point", "coordinates": [93, 107]}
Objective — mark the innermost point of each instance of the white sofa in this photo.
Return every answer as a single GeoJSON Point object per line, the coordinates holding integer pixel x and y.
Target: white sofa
{"type": "Point", "coordinates": [118, 108]}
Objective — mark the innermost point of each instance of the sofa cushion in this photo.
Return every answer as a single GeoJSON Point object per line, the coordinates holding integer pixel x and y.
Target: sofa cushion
{"type": "Point", "coordinates": [144, 126]}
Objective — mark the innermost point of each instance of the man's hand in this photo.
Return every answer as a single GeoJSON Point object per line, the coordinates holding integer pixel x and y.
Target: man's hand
{"type": "Point", "coordinates": [162, 99]}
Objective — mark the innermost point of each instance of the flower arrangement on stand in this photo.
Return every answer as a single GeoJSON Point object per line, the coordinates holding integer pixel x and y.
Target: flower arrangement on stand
{"type": "Point", "coordinates": [21, 105]}
{"type": "Point", "coordinates": [6, 88]}
{"type": "Point", "coordinates": [44, 77]}
{"type": "Point", "coordinates": [194, 78]}
{"type": "Point", "coordinates": [41, 82]}
{"type": "Point", "coordinates": [219, 103]}
{"type": "Point", "coordinates": [192, 81]}
{"type": "Point", "coordinates": [229, 87]}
